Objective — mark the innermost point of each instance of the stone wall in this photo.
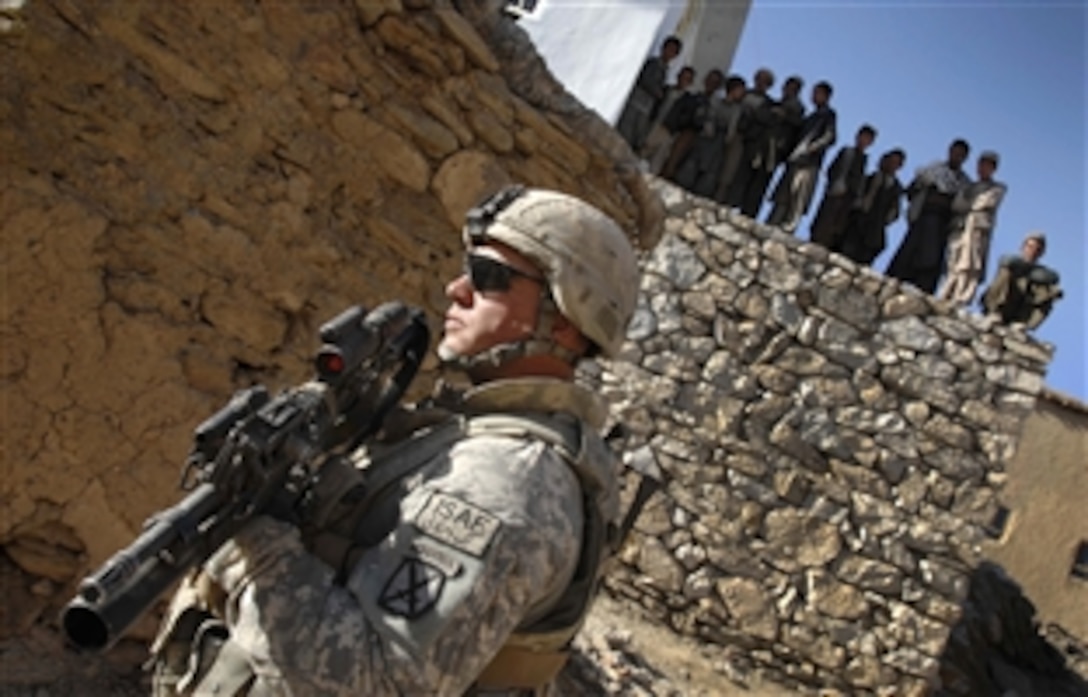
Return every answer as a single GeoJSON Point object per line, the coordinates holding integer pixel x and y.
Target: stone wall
{"type": "Point", "coordinates": [832, 444]}
{"type": "Point", "coordinates": [188, 189]}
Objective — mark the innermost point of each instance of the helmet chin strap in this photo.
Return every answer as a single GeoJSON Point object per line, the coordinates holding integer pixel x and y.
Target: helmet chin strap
{"type": "Point", "coordinates": [539, 343]}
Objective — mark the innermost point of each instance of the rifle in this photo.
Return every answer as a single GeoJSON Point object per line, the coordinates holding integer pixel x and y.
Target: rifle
{"type": "Point", "coordinates": [256, 455]}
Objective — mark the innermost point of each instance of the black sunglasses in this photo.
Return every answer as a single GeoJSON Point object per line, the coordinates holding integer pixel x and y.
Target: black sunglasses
{"type": "Point", "coordinates": [487, 274]}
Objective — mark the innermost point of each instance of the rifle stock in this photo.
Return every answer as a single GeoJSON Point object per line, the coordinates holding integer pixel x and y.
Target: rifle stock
{"type": "Point", "coordinates": [255, 455]}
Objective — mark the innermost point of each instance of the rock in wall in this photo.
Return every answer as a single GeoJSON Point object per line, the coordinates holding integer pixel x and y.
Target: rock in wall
{"type": "Point", "coordinates": [832, 445]}
{"type": "Point", "coordinates": [189, 189]}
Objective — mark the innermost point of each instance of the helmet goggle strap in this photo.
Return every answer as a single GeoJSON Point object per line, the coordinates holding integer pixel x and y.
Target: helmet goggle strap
{"type": "Point", "coordinates": [480, 218]}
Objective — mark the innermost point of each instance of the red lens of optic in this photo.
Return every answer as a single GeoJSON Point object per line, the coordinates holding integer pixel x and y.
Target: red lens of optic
{"type": "Point", "coordinates": [332, 363]}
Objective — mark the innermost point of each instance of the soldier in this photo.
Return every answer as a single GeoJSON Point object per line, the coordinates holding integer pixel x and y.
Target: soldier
{"type": "Point", "coordinates": [1024, 291]}
{"type": "Point", "coordinates": [462, 558]}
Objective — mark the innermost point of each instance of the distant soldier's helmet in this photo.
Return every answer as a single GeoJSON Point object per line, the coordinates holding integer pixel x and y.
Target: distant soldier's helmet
{"type": "Point", "coordinates": [588, 262]}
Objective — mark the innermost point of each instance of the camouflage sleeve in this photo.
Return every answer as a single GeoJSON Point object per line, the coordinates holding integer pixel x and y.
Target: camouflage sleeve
{"type": "Point", "coordinates": [477, 549]}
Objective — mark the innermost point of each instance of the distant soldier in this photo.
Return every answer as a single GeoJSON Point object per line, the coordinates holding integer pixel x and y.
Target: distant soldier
{"type": "Point", "coordinates": [1024, 291]}
{"type": "Point", "coordinates": [647, 93]}
{"type": "Point", "coordinates": [463, 556]}
{"type": "Point", "coordinates": [974, 216]}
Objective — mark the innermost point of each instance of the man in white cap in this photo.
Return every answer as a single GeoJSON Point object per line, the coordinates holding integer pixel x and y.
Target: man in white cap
{"type": "Point", "coordinates": [462, 558]}
{"type": "Point", "coordinates": [974, 210]}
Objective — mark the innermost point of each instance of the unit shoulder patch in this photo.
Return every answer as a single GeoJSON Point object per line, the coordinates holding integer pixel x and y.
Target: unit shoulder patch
{"type": "Point", "coordinates": [458, 523]}
{"type": "Point", "coordinates": [413, 589]}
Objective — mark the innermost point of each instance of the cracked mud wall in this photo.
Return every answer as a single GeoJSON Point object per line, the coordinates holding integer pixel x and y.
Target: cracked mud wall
{"type": "Point", "coordinates": [187, 190]}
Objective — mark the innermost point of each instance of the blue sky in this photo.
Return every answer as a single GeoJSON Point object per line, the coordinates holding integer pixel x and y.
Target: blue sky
{"type": "Point", "coordinates": [1007, 76]}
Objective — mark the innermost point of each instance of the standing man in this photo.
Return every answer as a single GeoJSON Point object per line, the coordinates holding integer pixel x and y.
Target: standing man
{"type": "Point", "coordinates": [975, 213]}
{"type": "Point", "coordinates": [690, 116]}
{"type": "Point", "coordinates": [716, 121]}
{"type": "Point", "coordinates": [659, 142]}
{"type": "Point", "coordinates": [1024, 291]}
{"type": "Point", "coordinates": [733, 147]}
{"type": "Point", "coordinates": [463, 557]}
{"type": "Point", "coordinates": [788, 119]}
{"type": "Point", "coordinates": [793, 193]}
{"type": "Point", "coordinates": [647, 93]}
{"type": "Point", "coordinates": [920, 257]}
{"type": "Point", "coordinates": [758, 158]}
{"type": "Point", "coordinates": [844, 180]}
{"type": "Point", "coordinates": [876, 209]}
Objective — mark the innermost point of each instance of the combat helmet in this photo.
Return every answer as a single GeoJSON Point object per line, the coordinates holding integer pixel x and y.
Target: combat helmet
{"type": "Point", "coordinates": [590, 268]}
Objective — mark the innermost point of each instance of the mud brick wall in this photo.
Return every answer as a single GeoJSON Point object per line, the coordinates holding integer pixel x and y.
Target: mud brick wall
{"type": "Point", "coordinates": [188, 189]}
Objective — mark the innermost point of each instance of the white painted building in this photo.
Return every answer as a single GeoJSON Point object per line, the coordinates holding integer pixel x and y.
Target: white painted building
{"type": "Point", "coordinates": [597, 47]}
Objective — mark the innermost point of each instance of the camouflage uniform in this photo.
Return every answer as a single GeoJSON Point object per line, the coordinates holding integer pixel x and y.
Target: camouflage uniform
{"type": "Point", "coordinates": [483, 536]}
{"type": "Point", "coordinates": [461, 558]}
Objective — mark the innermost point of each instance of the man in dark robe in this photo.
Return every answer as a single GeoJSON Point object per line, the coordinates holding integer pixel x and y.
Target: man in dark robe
{"type": "Point", "coordinates": [647, 93]}
{"type": "Point", "coordinates": [793, 194]}
{"type": "Point", "coordinates": [920, 257]}
{"type": "Point", "coordinates": [758, 156]}
{"type": "Point", "coordinates": [844, 180]}
{"type": "Point", "coordinates": [1024, 291]}
{"type": "Point", "coordinates": [876, 208]}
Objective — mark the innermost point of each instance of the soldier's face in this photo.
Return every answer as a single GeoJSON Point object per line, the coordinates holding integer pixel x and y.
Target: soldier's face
{"type": "Point", "coordinates": [479, 318]}
{"type": "Point", "coordinates": [1031, 250]}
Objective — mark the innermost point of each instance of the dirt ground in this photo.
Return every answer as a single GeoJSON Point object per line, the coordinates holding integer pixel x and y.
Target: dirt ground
{"type": "Point", "coordinates": [618, 653]}
{"type": "Point", "coordinates": [632, 656]}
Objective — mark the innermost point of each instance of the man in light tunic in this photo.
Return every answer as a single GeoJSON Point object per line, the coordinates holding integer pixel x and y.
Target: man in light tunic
{"type": "Point", "coordinates": [974, 211]}
{"type": "Point", "coordinates": [460, 558]}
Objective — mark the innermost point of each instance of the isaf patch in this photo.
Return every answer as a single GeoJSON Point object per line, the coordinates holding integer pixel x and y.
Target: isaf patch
{"type": "Point", "coordinates": [413, 589]}
{"type": "Point", "coordinates": [458, 524]}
